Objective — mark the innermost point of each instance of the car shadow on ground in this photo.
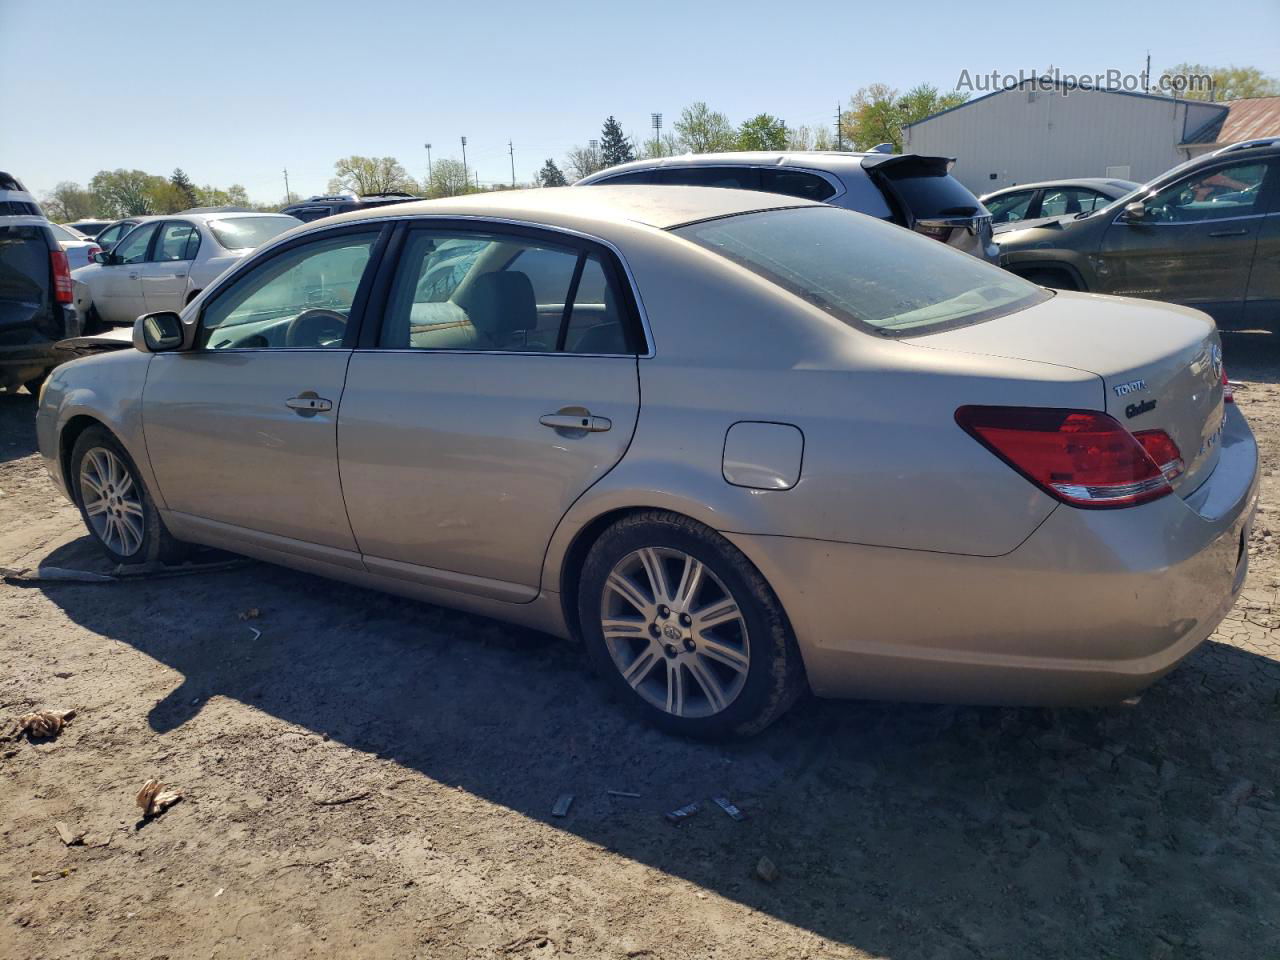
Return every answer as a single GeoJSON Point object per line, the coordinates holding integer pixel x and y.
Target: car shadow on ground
{"type": "Point", "coordinates": [17, 425]}
{"type": "Point", "coordinates": [904, 831]}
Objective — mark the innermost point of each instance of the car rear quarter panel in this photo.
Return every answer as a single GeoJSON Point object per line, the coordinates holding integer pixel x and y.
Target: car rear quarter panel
{"type": "Point", "coordinates": [884, 462]}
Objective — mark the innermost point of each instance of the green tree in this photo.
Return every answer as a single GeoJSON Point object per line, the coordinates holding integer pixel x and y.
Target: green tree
{"type": "Point", "coordinates": [550, 175]}
{"type": "Point", "coordinates": [703, 130]}
{"type": "Point", "coordinates": [762, 132]}
{"type": "Point", "coordinates": [615, 146]}
{"type": "Point", "coordinates": [182, 183]}
{"type": "Point", "coordinates": [368, 175]}
{"type": "Point", "coordinates": [878, 113]}
{"type": "Point", "coordinates": [449, 179]}
{"type": "Point", "coordinates": [125, 193]}
{"type": "Point", "coordinates": [1227, 83]}
{"type": "Point", "coordinates": [165, 197]}
{"type": "Point", "coordinates": [69, 201]}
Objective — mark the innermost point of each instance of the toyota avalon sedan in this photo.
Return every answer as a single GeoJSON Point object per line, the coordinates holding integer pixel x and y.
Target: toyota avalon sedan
{"type": "Point", "coordinates": [740, 445]}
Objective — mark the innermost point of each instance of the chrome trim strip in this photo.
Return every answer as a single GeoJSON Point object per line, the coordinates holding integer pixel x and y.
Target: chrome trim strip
{"type": "Point", "coordinates": [290, 237]}
{"type": "Point", "coordinates": [1182, 223]}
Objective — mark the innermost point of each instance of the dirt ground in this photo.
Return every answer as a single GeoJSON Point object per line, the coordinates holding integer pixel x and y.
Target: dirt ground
{"type": "Point", "coordinates": [372, 777]}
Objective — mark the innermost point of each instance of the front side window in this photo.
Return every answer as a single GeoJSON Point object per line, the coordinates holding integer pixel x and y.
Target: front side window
{"type": "Point", "coordinates": [795, 183]}
{"type": "Point", "coordinates": [1216, 194]}
{"type": "Point", "coordinates": [176, 242]}
{"type": "Point", "coordinates": [494, 292]}
{"type": "Point", "coordinates": [133, 248]}
{"type": "Point", "coordinates": [245, 233]}
{"type": "Point", "coordinates": [734, 178]}
{"type": "Point", "coordinates": [1069, 201]}
{"type": "Point", "coordinates": [107, 238]}
{"type": "Point", "coordinates": [299, 298]}
{"type": "Point", "coordinates": [869, 274]}
{"type": "Point", "coordinates": [1011, 207]}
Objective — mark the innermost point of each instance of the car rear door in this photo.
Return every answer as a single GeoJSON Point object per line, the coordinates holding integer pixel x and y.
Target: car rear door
{"type": "Point", "coordinates": [164, 275]}
{"type": "Point", "coordinates": [117, 295]}
{"type": "Point", "coordinates": [241, 429]}
{"type": "Point", "coordinates": [479, 413]}
{"type": "Point", "coordinates": [1262, 303]}
{"type": "Point", "coordinates": [1195, 243]}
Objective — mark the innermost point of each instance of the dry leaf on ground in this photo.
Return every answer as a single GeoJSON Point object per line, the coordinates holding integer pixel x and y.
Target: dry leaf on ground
{"type": "Point", "coordinates": [155, 798]}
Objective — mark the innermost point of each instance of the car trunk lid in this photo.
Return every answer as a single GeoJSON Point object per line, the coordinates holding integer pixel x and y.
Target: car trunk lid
{"type": "Point", "coordinates": [1160, 365]}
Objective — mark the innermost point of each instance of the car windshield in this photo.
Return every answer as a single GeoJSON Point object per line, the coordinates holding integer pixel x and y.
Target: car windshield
{"type": "Point", "coordinates": [245, 233]}
{"type": "Point", "coordinates": [875, 276]}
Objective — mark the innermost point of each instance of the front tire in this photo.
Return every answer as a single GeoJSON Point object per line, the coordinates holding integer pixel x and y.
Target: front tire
{"type": "Point", "coordinates": [114, 503]}
{"type": "Point", "coordinates": [685, 629]}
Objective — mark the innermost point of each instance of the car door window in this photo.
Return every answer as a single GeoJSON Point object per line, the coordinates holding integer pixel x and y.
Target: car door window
{"type": "Point", "coordinates": [794, 183]}
{"type": "Point", "coordinates": [174, 242]}
{"type": "Point", "coordinates": [1010, 207]}
{"type": "Point", "coordinates": [133, 248]}
{"type": "Point", "coordinates": [300, 298]}
{"type": "Point", "coordinates": [1217, 194]}
{"type": "Point", "coordinates": [494, 292]}
{"type": "Point", "coordinates": [638, 176]}
{"type": "Point", "coordinates": [109, 236]}
{"type": "Point", "coordinates": [1068, 201]}
{"type": "Point", "coordinates": [736, 178]}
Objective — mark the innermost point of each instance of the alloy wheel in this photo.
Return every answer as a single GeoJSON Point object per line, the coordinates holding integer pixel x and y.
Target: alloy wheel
{"type": "Point", "coordinates": [112, 501]}
{"type": "Point", "coordinates": [675, 632]}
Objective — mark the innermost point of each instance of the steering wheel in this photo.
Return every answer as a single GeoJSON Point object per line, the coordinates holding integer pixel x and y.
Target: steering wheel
{"type": "Point", "coordinates": [311, 328]}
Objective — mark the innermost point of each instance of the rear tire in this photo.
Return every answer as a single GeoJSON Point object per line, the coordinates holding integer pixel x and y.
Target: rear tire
{"type": "Point", "coordinates": [115, 504]}
{"type": "Point", "coordinates": [93, 322]}
{"type": "Point", "coordinates": [706, 653]}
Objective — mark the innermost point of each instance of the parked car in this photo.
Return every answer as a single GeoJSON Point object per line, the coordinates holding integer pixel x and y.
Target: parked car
{"type": "Point", "coordinates": [15, 201]}
{"type": "Point", "coordinates": [114, 231]}
{"type": "Point", "coordinates": [78, 248]}
{"type": "Point", "coordinates": [1033, 204]}
{"type": "Point", "coordinates": [316, 208]}
{"type": "Point", "coordinates": [909, 190]}
{"type": "Point", "coordinates": [737, 443]}
{"type": "Point", "coordinates": [35, 301]}
{"type": "Point", "coordinates": [90, 228]}
{"type": "Point", "coordinates": [1205, 234]}
{"type": "Point", "coordinates": [164, 262]}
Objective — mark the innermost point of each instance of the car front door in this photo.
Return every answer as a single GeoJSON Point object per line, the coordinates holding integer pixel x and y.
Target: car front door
{"type": "Point", "coordinates": [481, 411]}
{"type": "Point", "coordinates": [117, 295]}
{"type": "Point", "coordinates": [241, 429]}
{"type": "Point", "coordinates": [164, 275]}
{"type": "Point", "coordinates": [1262, 304]}
{"type": "Point", "coordinates": [1194, 243]}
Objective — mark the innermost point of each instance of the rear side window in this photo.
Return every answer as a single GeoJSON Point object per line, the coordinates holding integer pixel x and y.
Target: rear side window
{"type": "Point", "coordinates": [175, 242]}
{"type": "Point", "coordinates": [795, 183]}
{"type": "Point", "coordinates": [491, 292]}
{"type": "Point", "coordinates": [1011, 207]}
{"type": "Point", "coordinates": [245, 233]}
{"type": "Point", "coordinates": [734, 178]}
{"type": "Point", "coordinates": [637, 176]}
{"type": "Point", "coordinates": [869, 274]}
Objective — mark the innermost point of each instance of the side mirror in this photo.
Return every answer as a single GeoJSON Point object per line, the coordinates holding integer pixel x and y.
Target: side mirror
{"type": "Point", "coordinates": [101, 257]}
{"type": "Point", "coordinates": [158, 332]}
{"type": "Point", "coordinates": [1135, 212]}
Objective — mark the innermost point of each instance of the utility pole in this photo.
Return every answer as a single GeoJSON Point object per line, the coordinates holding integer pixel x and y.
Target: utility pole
{"type": "Point", "coordinates": [465, 176]}
{"type": "Point", "coordinates": [477, 179]}
{"type": "Point", "coordinates": [594, 147]}
{"type": "Point", "coordinates": [429, 173]}
{"type": "Point", "coordinates": [288, 197]}
{"type": "Point", "coordinates": [1146, 75]}
{"type": "Point", "coordinates": [657, 133]}
{"type": "Point", "coordinates": [839, 130]}
{"type": "Point", "coordinates": [512, 150]}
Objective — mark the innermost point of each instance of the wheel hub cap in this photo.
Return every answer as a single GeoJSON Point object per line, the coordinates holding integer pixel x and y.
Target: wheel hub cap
{"type": "Point", "coordinates": [675, 632]}
{"type": "Point", "coordinates": [112, 501]}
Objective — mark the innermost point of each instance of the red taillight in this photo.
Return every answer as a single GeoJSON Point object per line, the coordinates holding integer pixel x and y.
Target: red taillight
{"type": "Point", "coordinates": [1161, 448]}
{"type": "Point", "coordinates": [61, 276]}
{"type": "Point", "coordinates": [93, 252]}
{"type": "Point", "coordinates": [1081, 457]}
{"type": "Point", "coordinates": [1228, 391]}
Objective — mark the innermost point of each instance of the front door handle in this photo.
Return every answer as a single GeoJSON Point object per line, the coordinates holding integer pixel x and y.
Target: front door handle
{"type": "Point", "coordinates": [1228, 233]}
{"type": "Point", "coordinates": [572, 421]}
{"type": "Point", "coordinates": [306, 404]}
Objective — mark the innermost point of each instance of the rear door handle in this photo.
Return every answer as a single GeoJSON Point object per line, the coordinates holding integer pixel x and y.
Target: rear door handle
{"type": "Point", "coordinates": [1228, 233]}
{"type": "Point", "coordinates": [570, 421]}
{"type": "Point", "coordinates": [311, 404]}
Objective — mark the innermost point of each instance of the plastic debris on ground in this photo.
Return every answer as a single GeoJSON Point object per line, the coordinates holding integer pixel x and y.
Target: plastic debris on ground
{"type": "Point", "coordinates": [682, 814]}
{"type": "Point", "coordinates": [155, 798]}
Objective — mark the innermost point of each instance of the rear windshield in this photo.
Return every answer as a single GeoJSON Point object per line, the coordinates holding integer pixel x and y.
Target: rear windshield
{"type": "Point", "coordinates": [872, 275]}
{"type": "Point", "coordinates": [245, 233]}
{"type": "Point", "coordinates": [24, 270]}
{"type": "Point", "coordinates": [930, 193]}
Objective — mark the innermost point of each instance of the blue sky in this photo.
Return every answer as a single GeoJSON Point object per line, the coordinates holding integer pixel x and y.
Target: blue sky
{"type": "Point", "coordinates": [234, 91]}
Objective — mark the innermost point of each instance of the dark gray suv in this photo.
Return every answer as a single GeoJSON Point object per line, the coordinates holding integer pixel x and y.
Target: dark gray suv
{"type": "Point", "coordinates": [1205, 234]}
{"type": "Point", "coordinates": [910, 190]}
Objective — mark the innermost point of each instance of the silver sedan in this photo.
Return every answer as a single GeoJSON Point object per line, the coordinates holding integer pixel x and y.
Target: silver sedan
{"type": "Point", "coordinates": [741, 446]}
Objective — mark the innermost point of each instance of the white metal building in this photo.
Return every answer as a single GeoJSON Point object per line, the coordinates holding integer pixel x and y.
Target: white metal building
{"type": "Point", "coordinates": [1022, 135]}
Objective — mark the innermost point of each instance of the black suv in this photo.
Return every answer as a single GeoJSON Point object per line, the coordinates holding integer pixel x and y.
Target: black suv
{"type": "Point", "coordinates": [318, 207]}
{"type": "Point", "coordinates": [35, 302]}
{"type": "Point", "coordinates": [1205, 234]}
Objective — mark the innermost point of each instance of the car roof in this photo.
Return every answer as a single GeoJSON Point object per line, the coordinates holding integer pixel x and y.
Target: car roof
{"type": "Point", "coordinates": [662, 207]}
{"type": "Point", "coordinates": [1099, 182]}
{"type": "Point", "coordinates": [830, 160]}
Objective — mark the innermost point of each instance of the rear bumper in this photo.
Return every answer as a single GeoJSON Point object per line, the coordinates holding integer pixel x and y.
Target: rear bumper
{"type": "Point", "coordinates": [1092, 607]}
